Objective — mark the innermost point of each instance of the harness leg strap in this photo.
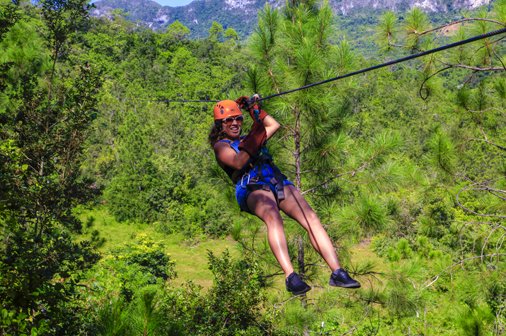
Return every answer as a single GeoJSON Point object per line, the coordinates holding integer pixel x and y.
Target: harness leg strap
{"type": "Point", "coordinates": [279, 187]}
{"type": "Point", "coordinates": [254, 187]}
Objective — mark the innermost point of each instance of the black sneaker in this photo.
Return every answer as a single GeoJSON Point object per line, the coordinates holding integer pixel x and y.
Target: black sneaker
{"type": "Point", "coordinates": [295, 285]}
{"type": "Point", "coordinates": [341, 278]}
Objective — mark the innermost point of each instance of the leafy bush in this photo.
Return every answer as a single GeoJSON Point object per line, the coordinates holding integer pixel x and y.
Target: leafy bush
{"type": "Point", "coordinates": [148, 256]}
{"type": "Point", "coordinates": [232, 306]}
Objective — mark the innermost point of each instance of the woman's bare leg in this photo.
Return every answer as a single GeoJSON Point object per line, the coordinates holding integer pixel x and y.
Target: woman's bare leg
{"type": "Point", "coordinates": [263, 204]}
{"type": "Point", "coordinates": [295, 206]}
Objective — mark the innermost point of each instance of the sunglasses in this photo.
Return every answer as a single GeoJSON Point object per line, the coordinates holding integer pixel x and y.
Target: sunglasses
{"type": "Point", "coordinates": [230, 120]}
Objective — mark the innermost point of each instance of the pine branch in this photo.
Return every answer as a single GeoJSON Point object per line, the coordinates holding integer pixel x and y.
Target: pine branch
{"type": "Point", "coordinates": [352, 173]}
{"type": "Point", "coordinates": [429, 77]}
{"type": "Point", "coordinates": [485, 243]}
{"type": "Point", "coordinates": [457, 22]}
{"type": "Point", "coordinates": [474, 68]}
{"type": "Point", "coordinates": [499, 59]}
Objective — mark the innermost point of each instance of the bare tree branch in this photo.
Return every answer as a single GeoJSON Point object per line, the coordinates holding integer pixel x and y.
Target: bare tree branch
{"type": "Point", "coordinates": [352, 173]}
{"type": "Point", "coordinates": [426, 79]}
{"type": "Point", "coordinates": [490, 143]}
{"type": "Point", "coordinates": [474, 68]}
{"type": "Point", "coordinates": [460, 262]}
{"type": "Point", "coordinates": [460, 21]}
{"type": "Point", "coordinates": [483, 188]}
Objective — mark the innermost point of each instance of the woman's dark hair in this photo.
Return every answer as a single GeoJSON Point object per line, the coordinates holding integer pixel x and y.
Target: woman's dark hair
{"type": "Point", "coordinates": [216, 133]}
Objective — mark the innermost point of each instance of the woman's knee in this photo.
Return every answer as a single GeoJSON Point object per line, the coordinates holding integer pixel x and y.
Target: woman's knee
{"type": "Point", "coordinates": [271, 217]}
{"type": "Point", "coordinates": [309, 220]}
{"type": "Point", "coordinates": [312, 217]}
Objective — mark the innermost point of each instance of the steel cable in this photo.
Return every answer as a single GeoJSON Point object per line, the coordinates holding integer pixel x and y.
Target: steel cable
{"type": "Point", "coordinates": [382, 65]}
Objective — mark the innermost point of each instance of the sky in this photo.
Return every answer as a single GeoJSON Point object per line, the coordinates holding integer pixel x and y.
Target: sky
{"type": "Point", "coordinates": [173, 3]}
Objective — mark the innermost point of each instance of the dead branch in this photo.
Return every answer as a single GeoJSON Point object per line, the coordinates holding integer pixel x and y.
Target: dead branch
{"type": "Point", "coordinates": [485, 243]}
{"type": "Point", "coordinates": [460, 262]}
{"type": "Point", "coordinates": [352, 173]}
{"type": "Point", "coordinates": [474, 68]}
{"type": "Point", "coordinates": [457, 22]}
{"type": "Point", "coordinates": [483, 188]}
{"type": "Point", "coordinates": [426, 79]}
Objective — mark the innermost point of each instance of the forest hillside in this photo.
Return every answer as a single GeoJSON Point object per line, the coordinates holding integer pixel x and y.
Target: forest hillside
{"type": "Point", "coordinates": [115, 218]}
{"type": "Point", "coordinates": [242, 15]}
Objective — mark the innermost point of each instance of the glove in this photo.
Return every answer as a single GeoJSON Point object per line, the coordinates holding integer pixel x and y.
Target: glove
{"type": "Point", "coordinates": [256, 113]}
{"type": "Point", "coordinates": [254, 140]}
{"type": "Point", "coordinates": [243, 102]}
{"type": "Point", "coordinates": [252, 105]}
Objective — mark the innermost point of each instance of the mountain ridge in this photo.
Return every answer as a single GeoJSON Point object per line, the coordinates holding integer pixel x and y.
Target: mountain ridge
{"type": "Point", "coordinates": [242, 14]}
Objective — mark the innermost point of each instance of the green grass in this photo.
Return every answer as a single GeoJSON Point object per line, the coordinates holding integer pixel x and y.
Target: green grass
{"type": "Point", "coordinates": [190, 258]}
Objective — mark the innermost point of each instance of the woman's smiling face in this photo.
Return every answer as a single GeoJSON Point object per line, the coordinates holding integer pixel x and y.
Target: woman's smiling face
{"type": "Point", "coordinates": [232, 126]}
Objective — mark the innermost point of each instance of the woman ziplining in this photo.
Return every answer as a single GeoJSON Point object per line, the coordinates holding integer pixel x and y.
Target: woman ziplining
{"type": "Point", "coordinates": [262, 190]}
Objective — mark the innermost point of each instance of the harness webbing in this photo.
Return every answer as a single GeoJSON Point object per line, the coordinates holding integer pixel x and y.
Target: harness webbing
{"type": "Point", "coordinates": [264, 158]}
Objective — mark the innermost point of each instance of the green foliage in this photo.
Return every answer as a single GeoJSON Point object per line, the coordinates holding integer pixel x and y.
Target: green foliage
{"type": "Point", "coordinates": [134, 192]}
{"type": "Point", "coordinates": [234, 298]}
{"type": "Point", "coordinates": [215, 32]}
{"type": "Point", "coordinates": [500, 11]}
{"type": "Point", "coordinates": [416, 22]}
{"type": "Point", "coordinates": [370, 215]}
{"type": "Point", "coordinates": [437, 216]}
{"type": "Point", "coordinates": [442, 151]}
{"type": "Point", "coordinates": [473, 321]}
{"type": "Point", "coordinates": [410, 158]}
{"type": "Point", "coordinates": [402, 250]}
{"type": "Point", "coordinates": [11, 320]}
{"type": "Point", "coordinates": [46, 109]}
{"type": "Point", "coordinates": [137, 265]}
{"type": "Point", "coordinates": [124, 288]}
{"type": "Point", "coordinates": [386, 30]}
{"type": "Point", "coordinates": [232, 305]}
{"type": "Point", "coordinates": [8, 16]}
{"type": "Point", "coordinates": [175, 35]}
{"type": "Point", "coordinates": [297, 318]}
{"type": "Point", "coordinates": [401, 299]}
{"type": "Point", "coordinates": [63, 19]}
{"type": "Point", "coordinates": [149, 256]}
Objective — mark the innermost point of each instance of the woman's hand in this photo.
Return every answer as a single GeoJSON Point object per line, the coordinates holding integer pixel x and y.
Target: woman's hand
{"type": "Point", "coordinates": [252, 105]}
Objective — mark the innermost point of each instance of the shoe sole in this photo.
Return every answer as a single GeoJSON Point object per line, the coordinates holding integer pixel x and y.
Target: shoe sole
{"type": "Point", "coordinates": [305, 290]}
{"type": "Point", "coordinates": [340, 284]}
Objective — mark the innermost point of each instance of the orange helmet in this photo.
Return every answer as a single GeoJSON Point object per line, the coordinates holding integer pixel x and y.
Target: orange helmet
{"type": "Point", "coordinates": [226, 108]}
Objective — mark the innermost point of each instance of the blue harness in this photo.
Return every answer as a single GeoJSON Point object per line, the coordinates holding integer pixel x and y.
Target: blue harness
{"type": "Point", "coordinates": [257, 174]}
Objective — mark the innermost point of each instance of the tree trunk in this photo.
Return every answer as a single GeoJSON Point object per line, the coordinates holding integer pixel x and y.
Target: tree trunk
{"type": "Point", "coordinates": [297, 151]}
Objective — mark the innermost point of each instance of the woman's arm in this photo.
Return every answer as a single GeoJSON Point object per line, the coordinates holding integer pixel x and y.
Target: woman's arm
{"type": "Point", "coordinates": [227, 156]}
{"type": "Point", "coordinates": [271, 126]}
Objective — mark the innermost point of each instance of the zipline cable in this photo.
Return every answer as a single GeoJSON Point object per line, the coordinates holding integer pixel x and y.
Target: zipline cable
{"type": "Point", "coordinates": [382, 65]}
{"type": "Point", "coordinates": [399, 60]}
{"type": "Point", "coordinates": [187, 101]}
